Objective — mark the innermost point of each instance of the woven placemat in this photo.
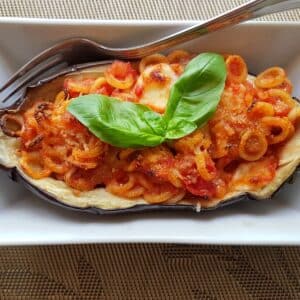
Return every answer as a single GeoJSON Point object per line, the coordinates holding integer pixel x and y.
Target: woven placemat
{"type": "Point", "coordinates": [139, 271]}
{"type": "Point", "coordinates": [149, 272]}
{"type": "Point", "coordinates": [127, 9]}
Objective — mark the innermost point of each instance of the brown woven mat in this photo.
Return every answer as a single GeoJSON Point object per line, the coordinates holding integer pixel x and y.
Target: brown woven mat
{"type": "Point", "coordinates": [149, 271]}
{"type": "Point", "coordinates": [144, 271]}
{"type": "Point", "coordinates": [127, 9]}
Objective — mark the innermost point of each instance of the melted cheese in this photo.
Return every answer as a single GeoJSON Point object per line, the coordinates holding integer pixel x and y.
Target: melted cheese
{"type": "Point", "coordinates": [253, 174]}
{"type": "Point", "coordinates": [155, 83]}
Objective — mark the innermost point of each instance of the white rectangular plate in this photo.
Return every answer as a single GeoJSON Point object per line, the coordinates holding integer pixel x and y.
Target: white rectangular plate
{"type": "Point", "coordinates": [25, 219]}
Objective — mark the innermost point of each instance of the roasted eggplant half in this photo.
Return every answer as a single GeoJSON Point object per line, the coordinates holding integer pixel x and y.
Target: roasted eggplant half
{"type": "Point", "coordinates": [256, 174]}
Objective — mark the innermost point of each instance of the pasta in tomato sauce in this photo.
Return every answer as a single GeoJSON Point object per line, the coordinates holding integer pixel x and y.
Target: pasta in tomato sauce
{"type": "Point", "coordinates": [254, 117]}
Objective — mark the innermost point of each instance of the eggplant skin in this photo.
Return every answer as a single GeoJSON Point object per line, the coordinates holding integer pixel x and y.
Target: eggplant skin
{"type": "Point", "coordinates": [101, 202]}
{"type": "Point", "coordinates": [141, 208]}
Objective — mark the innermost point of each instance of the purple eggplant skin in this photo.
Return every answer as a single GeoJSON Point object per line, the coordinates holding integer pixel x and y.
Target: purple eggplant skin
{"type": "Point", "coordinates": [16, 176]}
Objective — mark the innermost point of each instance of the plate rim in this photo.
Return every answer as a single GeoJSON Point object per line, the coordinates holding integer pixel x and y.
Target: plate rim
{"type": "Point", "coordinates": [286, 240]}
{"type": "Point", "coordinates": [128, 22]}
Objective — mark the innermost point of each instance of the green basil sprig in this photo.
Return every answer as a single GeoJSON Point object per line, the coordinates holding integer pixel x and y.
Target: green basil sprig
{"type": "Point", "coordinates": [122, 124]}
{"type": "Point", "coordinates": [195, 95]}
{"type": "Point", "coordinates": [193, 100]}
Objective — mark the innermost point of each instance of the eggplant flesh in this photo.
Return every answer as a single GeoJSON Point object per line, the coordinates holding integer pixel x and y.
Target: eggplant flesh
{"type": "Point", "coordinates": [99, 201]}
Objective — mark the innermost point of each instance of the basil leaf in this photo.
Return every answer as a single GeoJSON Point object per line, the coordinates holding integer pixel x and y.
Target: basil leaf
{"type": "Point", "coordinates": [195, 95]}
{"type": "Point", "coordinates": [178, 128]}
{"type": "Point", "coordinates": [121, 124]}
{"type": "Point", "coordinates": [193, 100]}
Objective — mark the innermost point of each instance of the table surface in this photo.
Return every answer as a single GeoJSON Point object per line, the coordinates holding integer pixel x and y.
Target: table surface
{"type": "Point", "coordinates": [139, 271]}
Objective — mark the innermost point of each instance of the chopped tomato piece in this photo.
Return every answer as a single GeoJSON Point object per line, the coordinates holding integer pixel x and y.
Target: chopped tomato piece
{"type": "Point", "coordinates": [105, 89]}
{"type": "Point", "coordinates": [193, 182]}
{"type": "Point", "coordinates": [76, 87]}
{"type": "Point", "coordinates": [200, 188]}
{"type": "Point", "coordinates": [139, 90]}
{"type": "Point", "coordinates": [121, 70]}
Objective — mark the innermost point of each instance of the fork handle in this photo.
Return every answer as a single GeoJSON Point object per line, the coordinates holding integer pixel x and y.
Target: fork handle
{"type": "Point", "coordinates": [250, 10]}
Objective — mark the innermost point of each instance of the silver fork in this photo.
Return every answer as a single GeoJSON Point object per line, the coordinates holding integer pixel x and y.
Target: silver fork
{"type": "Point", "coordinates": [80, 50]}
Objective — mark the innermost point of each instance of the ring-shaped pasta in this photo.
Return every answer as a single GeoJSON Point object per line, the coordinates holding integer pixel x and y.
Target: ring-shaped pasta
{"type": "Point", "coordinates": [80, 180]}
{"type": "Point", "coordinates": [236, 69]}
{"type": "Point", "coordinates": [33, 165]}
{"type": "Point", "coordinates": [57, 167]}
{"type": "Point", "coordinates": [253, 145]}
{"type": "Point", "coordinates": [121, 84]}
{"type": "Point", "coordinates": [178, 56]}
{"type": "Point", "coordinates": [12, 125]}
{"type": "Point", "coordinates": [151, 60]}
{"type": "Point", "coordinates": [144, 181]}
{"type": "Point", "coordinates": [158, 197]}
{"type": "Point", "coordinates": [261, 109]}
{"type": "Point", "coordinates": [200, 160]}
{"type": "Point", "coordinates": [86, 164]}
{"type": "Point", "coordinates": [175, 199]}
{"type": "Point", "coordinates": [278, 129]}
{"type": "Point", "coordinates": [90, 153]}
{"type": "Point", "coordinates": [117, 188]}
{"type": "Point", "coordinates": [262, 94]}
{"type": "Point", "coordinates": [270, 78]}
{"type": "Point", "coordinates": [189, 143]}
{"type": "Point", "coordinates": [99, 82]}
{"type": "Point", "coordinates": [286, 86]}
{"type": "Point", "coordinates": [282, 96]}
{"type": "Point", "coordinates": [135, 192]}
{"type": "Point", "coordinates": [55, 145]}
{"type": "Point", "coordinates": [174, 177]}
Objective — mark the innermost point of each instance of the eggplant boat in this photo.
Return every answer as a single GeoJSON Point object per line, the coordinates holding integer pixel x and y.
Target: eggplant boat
{"type": "Point", "coordinates": [168, 132]}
